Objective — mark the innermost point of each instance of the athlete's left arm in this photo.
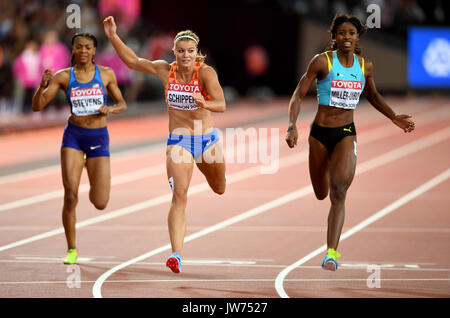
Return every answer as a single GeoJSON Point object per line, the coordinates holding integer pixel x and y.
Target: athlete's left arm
{"type": "Point", "coordinates": [209, 80]}
{"type": "Point", "coordinates": [377, 101]}
{"type": "Point", "coordinates": [113, 90]}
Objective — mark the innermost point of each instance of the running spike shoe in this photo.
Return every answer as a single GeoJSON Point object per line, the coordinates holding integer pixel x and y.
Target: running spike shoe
{"type": "Point", "coordinates": [329, 262]}
{"type": "Point", "coordinates": [71, 257]}
{"type": "Point", "coordinates": [174, 262]}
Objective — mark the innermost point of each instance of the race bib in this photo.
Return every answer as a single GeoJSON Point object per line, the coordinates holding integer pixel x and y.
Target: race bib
{"type": "Point", "coordinates": [86, 101]}
{"type": "Point", "coordinates": [179, 96]}
{"type": "Point", "coordinates": [345, 94]}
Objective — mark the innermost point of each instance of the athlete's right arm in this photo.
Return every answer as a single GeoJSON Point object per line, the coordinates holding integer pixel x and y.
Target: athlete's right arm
{"type": "Point", "coordinates": [128, 56]}
{"type": "Point", "coordinates": [316, 66]}
{"type": "Point", "coordinates": [47, 90]}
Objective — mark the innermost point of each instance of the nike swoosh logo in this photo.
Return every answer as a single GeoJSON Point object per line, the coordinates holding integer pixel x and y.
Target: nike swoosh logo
{"type": "Point", "coordinates": [353, 75]}
{"type": "Point", "coordinates": [95, 147]}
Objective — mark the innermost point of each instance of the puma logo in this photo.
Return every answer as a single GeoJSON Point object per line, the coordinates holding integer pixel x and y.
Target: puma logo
{"type": "Point", "coordinates": [349, 129]}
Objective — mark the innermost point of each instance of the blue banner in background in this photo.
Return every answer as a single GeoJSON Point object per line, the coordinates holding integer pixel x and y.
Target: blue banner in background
{"type": "Point", "coordinates": [429, 57]}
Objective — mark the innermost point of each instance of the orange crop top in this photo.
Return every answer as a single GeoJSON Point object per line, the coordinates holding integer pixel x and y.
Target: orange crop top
{"type": "Point", "coordinates": [179, 95]}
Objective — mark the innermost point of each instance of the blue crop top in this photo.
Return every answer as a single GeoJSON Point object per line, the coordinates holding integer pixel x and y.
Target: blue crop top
{"type": "Point", "coordinates": [86, 98]}
{"type": "Point", "coordinates": [343, 85]}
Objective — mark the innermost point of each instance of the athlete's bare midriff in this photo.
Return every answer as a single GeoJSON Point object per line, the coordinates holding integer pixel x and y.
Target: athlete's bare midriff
{"type": "Point", "coordinates": [190, 120]}
{"type": "Point", "coordinates": [90, 121]}
{"type": "Point", "coordinates": [328, 116]}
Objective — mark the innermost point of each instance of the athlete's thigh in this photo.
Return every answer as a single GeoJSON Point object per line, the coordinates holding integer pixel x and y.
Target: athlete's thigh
{"type": "Point", "coordinates": [179, 165]}
{"type": "Point", "coordinates": [212, 164]}
{"type": "Point", "coordinates": [343, 162]}
{"type": "Point", "coordinates": [318, 164]}
{"type": "Point", "coordinates": [72, 162]}
{"type": "Point", "coordinates": [99, 173]}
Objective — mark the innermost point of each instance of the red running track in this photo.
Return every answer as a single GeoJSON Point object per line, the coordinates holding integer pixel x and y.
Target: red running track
{"type": "Point", "coordinates": [263, 238]}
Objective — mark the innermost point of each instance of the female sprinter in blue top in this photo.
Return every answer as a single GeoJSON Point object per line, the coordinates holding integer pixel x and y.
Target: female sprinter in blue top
{"type": "Point", "coordinates": [86, 86]}
{"type": "Point", "coordinates": [342, 75]}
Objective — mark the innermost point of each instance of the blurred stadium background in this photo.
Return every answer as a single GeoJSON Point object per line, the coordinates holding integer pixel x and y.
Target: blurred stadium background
{"type": "Point", "coordinates": [260, 48]}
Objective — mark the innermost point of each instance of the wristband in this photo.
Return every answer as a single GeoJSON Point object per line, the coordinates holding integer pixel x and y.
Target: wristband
{"type": "Point", "coordinates": [292, 128]}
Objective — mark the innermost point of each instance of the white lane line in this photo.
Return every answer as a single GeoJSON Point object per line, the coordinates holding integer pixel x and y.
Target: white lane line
{"type": "Point", "coordinates": [404, 150]}
{"type": "Point", "coordinates": [163, 228]}
{"type": "Point", "coordinates": [34, 173]}
{"type": "Point", "coordinates": [123, 155]}
{"type": "Point", "coordinates": [249, 264]}
{"type": "Point", "coordinates": [50, 259]}
{"type": "Point", "coordinates": [116, 180]}
{"type": "Point", "coordinates": [232, 178]}
{"type": "Point", "coordinates": [431, 140]}
{"type": "Point", "coordinates": [421, 119]}
{"type": "Point", "coordinates": [238, 176]}
{"type": "Point", "coordinates": [121, 179]}
{"type": "Point", "coordinates": [383, 212]}
{"type": "Point", "coordinates": [406, 268]}
{"type": "Point", "coordinates": [231, 280]}
{"type": "Point", "coordinates": [369, 136]}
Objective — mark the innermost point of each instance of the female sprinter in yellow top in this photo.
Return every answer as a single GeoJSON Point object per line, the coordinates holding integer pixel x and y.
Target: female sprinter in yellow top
{"type": "Point", "coordinates": [192, 92]}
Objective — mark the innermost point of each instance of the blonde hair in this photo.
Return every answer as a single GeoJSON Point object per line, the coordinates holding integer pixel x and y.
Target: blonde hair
{"type": "Point", "coordinates": [188, 35]}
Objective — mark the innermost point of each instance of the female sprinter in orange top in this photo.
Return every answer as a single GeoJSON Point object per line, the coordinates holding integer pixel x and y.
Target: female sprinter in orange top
{"type": "Point", "coordinates": [342, 75]}
{"type": "Point", "coordinates": [192, 93]}
{"type": "Point", "coordinates": [86, 86]}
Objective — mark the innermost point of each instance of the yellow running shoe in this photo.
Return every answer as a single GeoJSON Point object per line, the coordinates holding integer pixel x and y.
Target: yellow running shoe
{"type": "Point", "coordinates": [329, 262]}
{"type": "Point", "coordinates": [71, 257]}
